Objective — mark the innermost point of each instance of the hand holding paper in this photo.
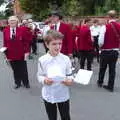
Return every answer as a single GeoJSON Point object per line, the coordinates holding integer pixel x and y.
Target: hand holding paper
{"type": "Point", "coordinates": [83, 76]}
{"type": "Point", "coordinates": [67, 82]}
{"type": "Point", "coordinates": [57, 79]}
{"type": "Point", "coordinates": [48, 81]}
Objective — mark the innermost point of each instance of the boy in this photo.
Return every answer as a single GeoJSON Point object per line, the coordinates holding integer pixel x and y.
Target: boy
{"type": "Point", "coordinates": [54, 72]}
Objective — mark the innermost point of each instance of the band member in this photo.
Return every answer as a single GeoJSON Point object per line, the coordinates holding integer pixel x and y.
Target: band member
{"type": "Point", "coordinates": [58, 25]}
{"type": "Point", "coordinates": [17, 41]}
{"type": "Point", "coordinates": [109, 42]}
{"type": "Point", "coordinates": [85, 45]}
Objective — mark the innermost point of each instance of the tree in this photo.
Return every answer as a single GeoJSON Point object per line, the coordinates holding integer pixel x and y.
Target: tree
{"type": "Point", "coordinates": [9, 10]}
{"type": "Point", "coordinates": [73, 8]}
{"type": "Point", "coordinates": [112, 4]}
{"type": "Point", "coordinates": [41, 8]}
{"type": "Point", "coordinates": [1, 1]}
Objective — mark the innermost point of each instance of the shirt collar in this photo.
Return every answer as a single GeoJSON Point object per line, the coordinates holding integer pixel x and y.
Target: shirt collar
{"type": "Point", "coordinates": [52, 56]}
{"type": "Point", "coordinates": [13, 28]}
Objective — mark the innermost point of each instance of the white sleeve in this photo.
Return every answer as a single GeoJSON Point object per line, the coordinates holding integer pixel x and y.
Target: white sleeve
{"type": "Point", "coordinates": [101, 36]}
{"type": "Point", "coordinates": [40, 73]}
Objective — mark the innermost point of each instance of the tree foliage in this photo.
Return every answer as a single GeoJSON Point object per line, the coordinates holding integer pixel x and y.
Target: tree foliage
{"type": "Point", "coordinates": [1, 1]}
{"type": "Point", "coordinates": [41, 8]}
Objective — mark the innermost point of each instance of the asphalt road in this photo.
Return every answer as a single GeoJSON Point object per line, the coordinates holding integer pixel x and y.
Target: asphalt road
{"type": "Point", "coordinates": [87, 102]}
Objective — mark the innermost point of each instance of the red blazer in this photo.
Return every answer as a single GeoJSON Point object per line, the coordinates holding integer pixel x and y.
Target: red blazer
{"type": "Point", "coordinates": [19, 46]}
{"type": "Point", "coordinates": [111, 40]}
{"type": "Point", "coordinates": [67, 45]}
{"type": "Point", "coordinates": [75, 37]}
{"type": "Point", "coordinates": [85, 42]}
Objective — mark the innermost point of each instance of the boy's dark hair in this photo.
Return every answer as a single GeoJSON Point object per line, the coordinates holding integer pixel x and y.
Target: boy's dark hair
{"type": "Point", "coordinates": [52, 35]}
{"type": "Point", "coordinates": [87, 20]}
{"type": "Point", "coordinates": [95, 21]}
{"type": "Point", "coordinates": [56, 13]}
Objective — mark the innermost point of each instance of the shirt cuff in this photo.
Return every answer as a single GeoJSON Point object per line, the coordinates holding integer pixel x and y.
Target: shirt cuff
{"type": "Point", "coordinates": [41, 79]}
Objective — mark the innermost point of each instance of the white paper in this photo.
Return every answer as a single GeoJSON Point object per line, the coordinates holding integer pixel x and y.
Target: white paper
{"type": "Point", "coordinates": [83, 76]}
{"type": "Point", "coordinates": [3, 49]}
{"type": "Point", "coordinates": [53, 71]}
{"type": "Point", "coordinates": [58, 79]}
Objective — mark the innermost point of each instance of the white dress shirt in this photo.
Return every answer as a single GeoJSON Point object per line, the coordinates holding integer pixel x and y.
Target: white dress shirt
{"type": "Point", "coordinates": [11, 31]}
{"type": "Point", "coordinates": [57, 68]}
{"type": "Point", "coordinates": [58, 26]}
{"type": "Point", "coordinates": [46, 28]}
{"type": "Point", "coordinates": [95, 30]}
{"type": "Point", "coordinates": [101, 35]}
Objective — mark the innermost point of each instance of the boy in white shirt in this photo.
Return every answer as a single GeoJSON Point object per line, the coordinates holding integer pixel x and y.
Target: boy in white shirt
{"type": "Point", "coordinates": [55, 73]}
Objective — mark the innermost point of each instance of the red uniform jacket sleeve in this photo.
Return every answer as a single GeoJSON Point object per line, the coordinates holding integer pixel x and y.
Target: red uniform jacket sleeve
{"type": "Point", "coordinates": [67, 46]}
{"type": "Point", "coordinates": [27, 39]}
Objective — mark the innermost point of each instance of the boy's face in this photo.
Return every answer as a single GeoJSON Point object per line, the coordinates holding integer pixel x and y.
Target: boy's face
{"type": "Point", "coordinates": [54, 47]}
{"type": "Point", "coordinates": [54, 18]}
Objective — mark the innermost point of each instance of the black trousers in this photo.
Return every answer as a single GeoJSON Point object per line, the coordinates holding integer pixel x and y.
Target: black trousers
{"type": "Point", "coordinates": [34, 46]}
{"type": "Point", "coordinates": [20, 72]}
{"type": "Point", "coordinates": [46, 49]}
{"type": "Point", "coordinates": [86, 55]}
{"type": "Point", "coordinates": [96, 46]}
{"type": "Point", "coordinates": [63, 108]}
{"type": "Point", "coordinates": [108, 58]}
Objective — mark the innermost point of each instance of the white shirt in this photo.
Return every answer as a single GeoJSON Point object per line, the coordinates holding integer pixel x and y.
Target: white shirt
{"type": "Point", "coordinates": [101, 35]}
{"type": "Point", "coordinates": [95, 30]}
{"type": "Point", "coordinates": [45, 30]}
{"type": "Point", "coordinates": [54, 67]}
{"type": "Point", "coordinates": [58, 26]}
{"type": "Point", "coordinates": [11, 31]}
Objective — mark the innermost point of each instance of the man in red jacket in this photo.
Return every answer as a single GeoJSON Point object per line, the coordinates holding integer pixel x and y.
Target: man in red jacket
{"type": "Point", "coordinates": [85, 45]}
{"type": "Point", "coordinates": [17, 41]}
{"type": "Point", "coordinates": [109, 42]}
{"type": "Point", "coordinates": [67, 46]}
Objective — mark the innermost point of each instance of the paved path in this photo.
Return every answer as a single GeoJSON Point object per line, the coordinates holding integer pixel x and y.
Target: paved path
{"type": "Point", "coordinates": [87, 102]}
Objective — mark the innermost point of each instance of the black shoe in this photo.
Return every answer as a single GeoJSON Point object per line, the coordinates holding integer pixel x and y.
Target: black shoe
{"type": "Point", "coordinates": [108, 88]}
{"type": "Point", "coordinates": [27, 86]}
{"type": "Point", "coordinates": [16, 86]}
{"type": "Point", "coordinates": [35, 53]}
{"type": "Point", "coordinates": [99, 84]}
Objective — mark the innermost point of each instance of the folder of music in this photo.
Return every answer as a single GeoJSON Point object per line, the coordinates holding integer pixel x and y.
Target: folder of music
{"type": "Point", "coordinates": [3, 49]}
{"type": "Point", "coordinates": [83, 76]}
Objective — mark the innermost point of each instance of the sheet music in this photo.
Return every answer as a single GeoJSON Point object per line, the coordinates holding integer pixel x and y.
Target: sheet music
{"type": "Point", "coordinates": [3, 49]}
{"type": "Point", "coordinates": [58, 79]}
{"type": "Point", "coordinates": [83, 76]}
